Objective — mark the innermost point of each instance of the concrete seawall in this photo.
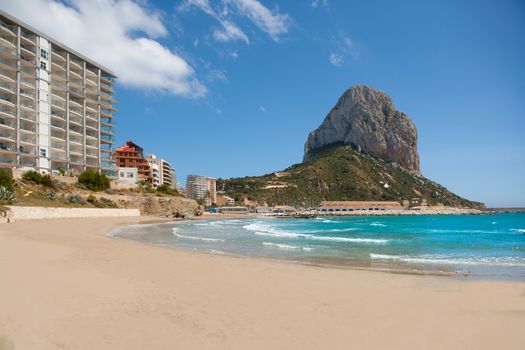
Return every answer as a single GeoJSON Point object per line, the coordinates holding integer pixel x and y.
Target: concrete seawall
{"type": "Point", "coordinates": [31, 213]}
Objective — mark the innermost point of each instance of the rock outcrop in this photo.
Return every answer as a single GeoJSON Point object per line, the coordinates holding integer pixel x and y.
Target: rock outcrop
{"type": "Point", "coordinates": [366, 119]}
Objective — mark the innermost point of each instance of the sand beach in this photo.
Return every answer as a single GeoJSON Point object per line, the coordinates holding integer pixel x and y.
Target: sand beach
{"type": "Point", "coordinates": [66, 285]}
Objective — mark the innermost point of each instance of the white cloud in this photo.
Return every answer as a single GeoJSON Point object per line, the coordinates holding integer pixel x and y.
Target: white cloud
{"type": "Point", "coordinates": [230, 32]}
{"type": "Point", "coordinates": [319, 3]}
{"type": "Point", "coordinates": [119, 34]}
{"type": "Point", "coordinates": [343, 47]}
{"type": "Point", "coordinates": [273, 22]}
{"type": "Point", "coordinates": [262, 109]}
{"type": "Point", "coordinates": [336, 59]}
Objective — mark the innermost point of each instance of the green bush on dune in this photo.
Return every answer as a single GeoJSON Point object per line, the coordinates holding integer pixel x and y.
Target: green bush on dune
{"type": "Point", "coordinates": [93, 181]}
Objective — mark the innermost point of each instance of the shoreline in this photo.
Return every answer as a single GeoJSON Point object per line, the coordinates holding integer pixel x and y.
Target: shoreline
{"type": "Point", "coordinates": [390, 266]}
{"type": "Point", "coordinates": [68, 285]}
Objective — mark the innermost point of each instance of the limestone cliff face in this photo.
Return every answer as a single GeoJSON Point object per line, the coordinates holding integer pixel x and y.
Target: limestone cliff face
{"type": "Point", "coordinates": [367, 119]}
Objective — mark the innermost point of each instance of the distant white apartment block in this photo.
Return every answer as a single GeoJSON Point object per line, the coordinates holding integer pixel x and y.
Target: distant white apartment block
{"type": "Point", "coordinates": [201, 187]}
{"type": "Point", "coordinates": [162, 172]}
{"type": "Point", "coordinates": [56, 105]}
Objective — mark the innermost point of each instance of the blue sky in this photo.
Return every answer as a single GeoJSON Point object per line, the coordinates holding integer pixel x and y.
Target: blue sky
{"type": "Point", "coordinates": [248, 80]}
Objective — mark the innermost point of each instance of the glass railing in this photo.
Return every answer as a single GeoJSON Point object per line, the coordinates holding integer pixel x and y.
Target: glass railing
{"type": "Point", "coordinates": [27, 139]}
{"type": "Point", "coordinates": [107, 138]}
{"type": "Point", "coordinates": [24, 150]}
{"type": "Point", "coordinates": [9, 27]}
{"type": "Point", "coordinates": [58, 125]}
{"type": "Point", "coordinates": [7, 160]}
{"type": "Point", "coordinates": [10, 63]}
{"type": "Point", "coordinates": [59, 104]}
{"type": "Point", "coordinates": [58, 155]}
{"type": "Point", "coordinates": [27, 104]}
{"type": "Point", "coordinates": [91, 133]}
{"type": "Point", "coordinates": [7, 110]}
{"type": "Point", "coordinates": [27, 115]}
{"type": "Point", "coordinates": [7, 135]}
{"type": "Point", "coordinates": [7, 123]}
{"type": "Point", "coordinates": [28, 48]}
{"type": "Point", "coordinates": [8, 39]}
{"type": "Point", "coordinates": [27, 128]}
{"type": "Point", "coordinates": [27, 93]}
{"type": "Point", "coordinates": [7, 98]}
{"type": "Point", "coordinates": [56, 114]}
{"type": "Point", "coordinates": [7, 86]}
{"type": "Point", "coordinates": [10, 51]}
{"type": "Point", "coordinates": [29, 71]}
{"type": "Point", "coordinates": [28, 37]}
{"type": "Point", "coordinates": [75, 109]}
{"type": "Point", "coordinates": [59, 54]}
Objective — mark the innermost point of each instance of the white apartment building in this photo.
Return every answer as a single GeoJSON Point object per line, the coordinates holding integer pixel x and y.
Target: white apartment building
{"type": "Point", "coordinates": [162, 172]}
{"type": "Point", "coordinates": [199, 187]}
{"type": "Point", "coordinates": [56, 105]}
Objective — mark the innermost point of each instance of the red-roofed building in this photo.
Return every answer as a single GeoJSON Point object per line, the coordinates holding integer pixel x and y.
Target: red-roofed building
{"type": "Point", "coordinates": [131, 155]}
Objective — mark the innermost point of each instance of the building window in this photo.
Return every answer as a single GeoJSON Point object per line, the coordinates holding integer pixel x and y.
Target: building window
{"type": "Point", "coordinates": [43, 153]}
{"type": "Point", "coordinates": [43, 54]}
{"type": "Point", "coordinates": [43, 65]}
{"type": "Point", "coordinates": [121, 174]}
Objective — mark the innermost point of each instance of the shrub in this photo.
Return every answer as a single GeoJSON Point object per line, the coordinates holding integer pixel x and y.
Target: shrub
{"type": "Point", "coordinates": [91, 199]}
{"type": "Point", "coordinates": [51, 195]}
{"type": "Point", "coordinates": [33, 176]}
{"type": "Point", "coordinates": [6, 180]}
{"type": "Point", "coordinates": [74, 198]}
{"type": "Point", "coordinates": [93, 181]}
{"type": "Point", "coordinates": [62, 171]}
{"type": "Point", "coordinates": [6, 194]}
{"type": "Point", "coordinates": [167, 190]}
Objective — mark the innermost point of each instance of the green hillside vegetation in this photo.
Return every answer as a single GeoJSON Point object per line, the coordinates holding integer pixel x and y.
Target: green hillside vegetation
{"type": "Point", "coordinates": [340, 173]}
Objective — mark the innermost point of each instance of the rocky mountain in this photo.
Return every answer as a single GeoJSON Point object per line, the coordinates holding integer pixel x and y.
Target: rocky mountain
{"type": "Point", "coordinates": [339, 173]}
{"type": "Point", "coordinates": [366, 119]}
{"type": "Point", "coordinates": [364, 150]}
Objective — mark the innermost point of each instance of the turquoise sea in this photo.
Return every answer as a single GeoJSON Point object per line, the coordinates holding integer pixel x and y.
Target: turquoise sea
{"type": "Point", "coordinates": [482, 246]}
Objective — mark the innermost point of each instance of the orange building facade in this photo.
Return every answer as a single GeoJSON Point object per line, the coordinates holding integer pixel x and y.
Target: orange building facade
{"type": "Point", "coordinates": [131, 155]}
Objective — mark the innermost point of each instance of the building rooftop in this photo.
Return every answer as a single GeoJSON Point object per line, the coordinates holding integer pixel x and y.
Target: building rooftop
{"type": "Point", "coordinates": [56, 42]}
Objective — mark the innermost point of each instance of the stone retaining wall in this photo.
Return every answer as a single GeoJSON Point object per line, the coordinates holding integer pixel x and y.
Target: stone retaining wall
{"type": "Point", "coordinates": [30, 213]}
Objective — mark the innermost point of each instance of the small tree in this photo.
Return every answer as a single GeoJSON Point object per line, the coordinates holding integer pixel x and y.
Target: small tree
{"type": "Point", "coordinates": [6, 180]}
{"type": "Point", "coordinates": [93, 181]}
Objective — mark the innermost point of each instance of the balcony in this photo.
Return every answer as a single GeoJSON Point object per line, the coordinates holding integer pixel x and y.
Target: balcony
{"type": "Point", "coordinates": [107, 139]}
{"type": "Point", "coordinates": [28, 93]}
{"type": "Point", "coordinates": [8, 64]}
{"type": "Point", "coordinates": [59, 146]}
{"type": "Point", "coordinates": [6, 135]}
{"type": "Point", "coordinates": [7, 124]}
{"type": "Point", "coordinates": [58, 155]}
{"type": "Point", "coordinates": [7, 87]}
{"type": "Point", "coordinates": [73, 129]}
{"type": "Point", "coordinates": [58, 126]}
{"type": "Point", "coordinates": [26, 49]}
{"type": "Point", "coordinates": [27, 128]}
{"type": "Point", "coordinates": [28, 105]}
{"type": "Point", "coordinates": [7, 51]}
{"type": "Point", "coordinates": [59, 56]}
{"type": "Point", "coordinates": [75, 110]}
{"type": "Point", "coordinates": [7, 112]}
{"type": "Point", "coordinates": [28, 38]}
{"type": "Point", "coordinates": [27, 139]}
{"type": "Point", "coordinates": [7, 41]}
{"type": "Point", "coordinates": [91, 116]}
{"type": "Point", "coordinates": [58, 104]}
{"type": "Point", "coordinates": [92, 134]}
{"type": "Point", "coordinates": [28, 71]}
{"type": "Point", "coordinates": [28, 83]}
{"type": "Point", "coordinates": [77, 91]}
{"type": "Point", "coordinates": [56, 114]}
{"type": "Point", "coordinates": [74, 75]}
{"type": "Point", "coordinates": [8, 100]}
{"type": "Point", "coordinates": [27, 115]}
{"type": "Point", "coordinates": [7, 29]}
{"type": "Point", "coordinates": [28, 151]}
{"type": "Point", "coordinates": [75, 120]}
{"type": "Point", "coordinates": [58, 94]}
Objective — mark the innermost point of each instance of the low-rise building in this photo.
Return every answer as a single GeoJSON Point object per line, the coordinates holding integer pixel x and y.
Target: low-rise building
{"type": "Point", "coordinates": [131, 155]}
{"type": "Point", "coordinates": [128, 175]}
{"type": "Point", "coordinates": [338, 206]}
{"type": "Point", "coordinates": [233, 210]}
{"type": "Point", "coordinates": [223, 200]}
